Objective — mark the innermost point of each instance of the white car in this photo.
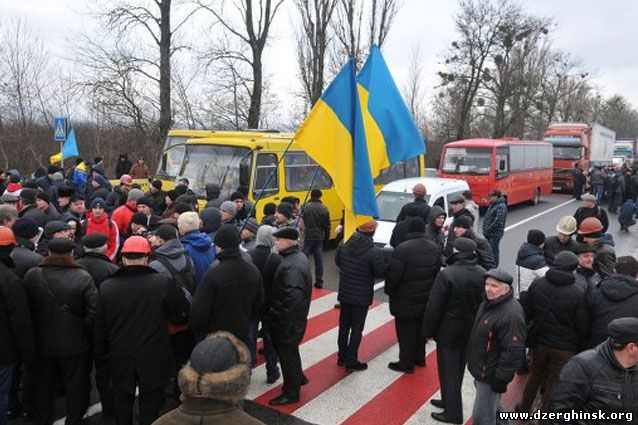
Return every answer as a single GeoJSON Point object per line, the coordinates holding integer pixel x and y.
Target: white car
{"type": "Point", "coordinates": [395, 195]}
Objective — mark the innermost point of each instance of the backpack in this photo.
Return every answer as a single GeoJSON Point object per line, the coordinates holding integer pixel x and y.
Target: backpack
{"type": "Point", "coordinates": [184, 278]}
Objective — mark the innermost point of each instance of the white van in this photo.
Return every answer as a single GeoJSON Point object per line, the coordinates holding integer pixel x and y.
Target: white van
{"type": "Point", "coordinates": [395, 195]}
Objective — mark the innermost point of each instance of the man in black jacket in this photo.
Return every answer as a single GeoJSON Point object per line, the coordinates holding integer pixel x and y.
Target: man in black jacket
{"type": "Point", "coordinates": [316, 218]}
{"type": "Point", "coordinates": [62, 298]}
{"type": "Point", "coordinates": [360, 262]}
{"type": "Point", "coordinates": [24, 256]}
{"type": "Point", "coordinates": [497, 345]}
{"type": "Point", "coordinates": [94, 260]}
{"type": "Point", "coordinates": [401, 228]}
{"type": "Point", "coordinates": [602, 380]}
{"type": "Point", "coordinates": [591, 209]}
{"type": "Point", "coordinates": [288, 314]}
{"type": "Point", "coordinates": [462, 228]}
{"type": "Point", "coordinates": [556, 307]}
{"type": "Point", "coordinates": [230, 295]}
{"type": "Point", "coordinates": [134, 309]}
{"type": "Point", "coordinates": [420, 202]}
{"type": "Point", "coordinates": [454, 300]}
{"type": "Point", "coordinates": [16, 329]}
{"type": "Point", "coordinates": [409, 277]}
{"type": "Point", "coordinates": [586, 277]}
{"type": "Point", "coordinates": [615, 297]}
{"type": "Point", "coordinates": [563, 240]}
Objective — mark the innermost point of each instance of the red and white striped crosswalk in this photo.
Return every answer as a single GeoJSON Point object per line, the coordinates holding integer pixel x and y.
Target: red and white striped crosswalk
{"type": "Point", "coordinates": [375, 396]}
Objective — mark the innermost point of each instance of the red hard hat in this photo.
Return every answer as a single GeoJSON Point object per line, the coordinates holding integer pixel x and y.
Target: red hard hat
{"type": "Point", "coordinates": [590, 225]}
{"type": "Point", "coordinates": [6, 236]}
{"type": "Point", "coordinates": [136, 245]}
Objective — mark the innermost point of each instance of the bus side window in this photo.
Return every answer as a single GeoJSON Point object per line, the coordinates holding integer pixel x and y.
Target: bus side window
{"type": "Point", "coordinates": [502, 166]}
{"type": "Point", "coordinates": [266, 177]}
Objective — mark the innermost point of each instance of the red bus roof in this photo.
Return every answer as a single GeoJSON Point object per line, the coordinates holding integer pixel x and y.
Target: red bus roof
{"type": "Point", "coordinates": [488, 143]}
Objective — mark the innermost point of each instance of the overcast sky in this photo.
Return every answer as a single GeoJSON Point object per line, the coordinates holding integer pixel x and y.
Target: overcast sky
{"type": "Point", "coordinates": [599, 33]}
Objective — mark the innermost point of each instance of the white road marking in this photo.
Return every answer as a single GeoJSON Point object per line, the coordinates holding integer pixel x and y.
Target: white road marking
{"type": "Point", "coordinates": [535, 216]}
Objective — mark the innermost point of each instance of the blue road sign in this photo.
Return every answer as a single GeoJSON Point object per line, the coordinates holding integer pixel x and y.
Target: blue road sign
{"type": "Point", "coordinates": [59, 129]}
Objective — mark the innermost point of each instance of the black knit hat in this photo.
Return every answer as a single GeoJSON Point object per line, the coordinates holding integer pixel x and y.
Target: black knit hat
{"type": "Point", "coordinates": [43, 196]}
{"type": "Point", "coordinates": [285, 209]}
{"type": "Point", "coordinates": [28, 195]}
{"type": "Point", "coordinates": [462, 221]}
{"type": "Point", "coordinates": [566, 260]}
{"type": "Point", "coordinates": [25, 227]}
{"type": "Point", "coordinates": [416, 225]}
{"type": "Point", "coordinates": [536, 237]}
{"type": "Point", "coordinates": [94, 240]}
{"type": "Point", "coordinates": [157, 184]}
{"type": "Point", "coordinates": [139, 218]}
{"type": "Point", "coordinates": [251, 225]}
{"type": "Point", "coordinates": [145, 200]}
{"type": "Point", "coordinates": [464, 245]}
{"type": "Point", "coordinates": [236, 195]}
{"type": "Point", "coordinates": [166, 232]}
{"type": "Point", "coordinates": [183, 207]}
{"type": "Point", "coordinates": [227, 237]}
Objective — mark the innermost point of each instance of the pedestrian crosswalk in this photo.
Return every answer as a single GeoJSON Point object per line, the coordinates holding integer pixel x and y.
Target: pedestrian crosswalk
{"type": "Point", "coordinates": [375, 396]}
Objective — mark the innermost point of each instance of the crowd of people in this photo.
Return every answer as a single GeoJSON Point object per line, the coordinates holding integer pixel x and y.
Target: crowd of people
{"type": "Point", "coordinates": [158, 296]}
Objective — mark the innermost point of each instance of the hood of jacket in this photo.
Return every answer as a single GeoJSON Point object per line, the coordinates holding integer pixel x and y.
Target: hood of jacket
{"type": "Point", "coordinates": [212, 191]}
{"type": "Point", "coordinates": [171, 249]}
{"type": "Point", "coordinates": [359, 243]}
{"type": "Point", "coordinates": [529, 255]}
{"type": "Point", "coordinates": [198, 240]}
{"type": "Point", "coordinates": [607, 239]}
{"type": "Point", "coordinates": [211, 219]}
{"type": "Point", "coordinates": [461, 258]}
{"type": "Point", "coordinates": [619, 287]}
{"type": "Point", "coordinates": [435, 211]}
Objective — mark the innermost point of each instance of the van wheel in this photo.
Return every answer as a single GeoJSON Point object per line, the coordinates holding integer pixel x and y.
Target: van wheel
{"type": "Point", "coordinates": [537, 197]}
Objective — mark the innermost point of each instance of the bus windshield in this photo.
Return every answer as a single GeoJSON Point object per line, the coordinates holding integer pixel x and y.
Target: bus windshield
{"type": "Point", "coordinates": [567, 152]}
{"type": "Point", "coordinates": [467, 161]}
{"type": "Point", "coordinates": [390, 203]}
{"type": "Point", "coordinates": [172, 157]}
{"type": "Point", "coordinates": [214, 164]}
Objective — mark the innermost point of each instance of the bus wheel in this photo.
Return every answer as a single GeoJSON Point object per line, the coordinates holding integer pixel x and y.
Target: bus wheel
{"type": "Point", "coordinates": [537, 197]}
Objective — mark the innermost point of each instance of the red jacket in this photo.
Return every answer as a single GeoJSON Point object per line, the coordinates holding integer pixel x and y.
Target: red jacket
{"type": "Point", "coordinates": [107, 227]}
{"type": "Point", "coordinates": [122, 216]}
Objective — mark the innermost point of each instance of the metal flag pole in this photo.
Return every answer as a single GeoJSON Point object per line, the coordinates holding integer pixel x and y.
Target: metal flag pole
{"type": "Point", "coordinates": [312, 183]}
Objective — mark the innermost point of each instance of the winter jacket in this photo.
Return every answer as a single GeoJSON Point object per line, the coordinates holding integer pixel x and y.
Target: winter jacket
{"type": "Point", "coordinates": [531, 265]}
{"type": "Point", "coordinates": [211, 220]}
{"type": "Point", "coordinates": [628, 212]}
{"type": "Point", "coordinates": [206, 411]}
{"type": "Point", "coordinates": [267, 263]}
{"type": "Point", "coordinates": [434, 233]}
{"type": "Point", "coordinates": [454, 300]}
{"type": "Point", "coordinates": [24, 257]}
{"type": "Point", "coordinates": [199, 248]}
{"type": "Point", "coordinates": [122, 217]}
{"type": "Point", "coordinates": [158, 203]}
{"type": "Point", "coordinates": [410, 274]}
{"type": "Point", "coordinates": [594, 381]}
{"type": "Point", "coordinates": [615, 297]}
{"type": "Point", "coordinates": [291, 292]}
{"type": "Point", "coordinates": [116, 199]}
{"type": "Point", "coordinates": [553, 246]}
{"type": "Point", "coordinates": [98, 265]}
{"type": "Point", "coordinates": [316, 217]}
{"type": "Point", "coordinates": [32, 211]}
{"type": "Point", "coordinates": [134, 308]}
{"type": "Point", "coordinates": [139, 171]}
{"type": "Point", "coordinates": [583, 212]}
{"type": "Point", "coordinates": [16, 329]}
{"type": "Point", "coordinates": [229, 297]}
{"type": "Point", "coordinates": [474, 209]}
{"type": "Point", "coordinates": [399, 233]}
{"type": "Point", "coordinates": [497, 342]}
{"type": "Point", "coordinates": [484, 256]}
{"type": "Point", "coordinates": [107, 227]}
{"type": "Point", "coordinates": [62, 299]}
{"type": "Point", "coordinates": [587, 279]}
{"type": "Point", "coordinates": [212, 195]}
{"type": "Point", "coordinates": [173, 251]}
{"type": "Point", "coordinates": [604, 258]}
{"type": "Point", "coordinates": [123, 166]}
{"type": "Point", "coordinates": [557, 308]}
{"type": "Point", "coordinates": [424, 209]}
{"type": "Point", "coordinates": [494, 219]}
{"type": "Point", "coordinates": [360, 262]}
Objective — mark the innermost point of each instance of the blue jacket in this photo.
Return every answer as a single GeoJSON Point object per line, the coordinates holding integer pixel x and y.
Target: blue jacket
{"type": "Point", "coordinates": [627, 212]}
{"type": "Point", "coordinates": [494, 220]}
{"type": "Point", "coordinates": [199, 247]}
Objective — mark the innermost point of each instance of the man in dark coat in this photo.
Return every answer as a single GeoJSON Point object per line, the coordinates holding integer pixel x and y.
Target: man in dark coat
{"type": "Point", "coordinates": [586, 277]}
{"type": "Point", "coordinates": [16, 329]}
{"type": "Point", "coordinates": [401, 228]}
{"type": "Point", "coordinates": [605, 256]}
{"type": "Point", "coordinates": [462, 228]}
{"type": "Point", "coordinates": [409, 277]}
{"type": "Point", "coordinates": [24, 256]}
{"type": "Point", "coordinates": [134, 309]}
{"type": "Point", "coordinates": [579, 180]}
{"type": "Point", "coordinates": [62, 298]}
{"type": "Point", "coordinates": [420, 202]}
{"type": "Point", "coordinates": [434, 228]}
{"type": "Point", "coordinates": [615, 297]}
{"type": "Point", "coordinates": [94, 261]}
{"type": "Point", "coordinates": [591, 209]}
{"type": "Point", "coordinates": [360, 262]}
{"type": "Point", "coordinates": [496, 345]}
{"type": "Point", "coordinates": [158, 197]}
{"type": "Point", "coordinates": [562, 241]}
{"type": "Point", "coordinates": [29, 207]}
{"type": "Point", "coordinates": [454, 300]}
{"type": "Point", "coordinates": [288, 314]}
{"type": "Point", "coordinates": [457, 206]}
{"type": "Point", "coordinates": [123, 165]}
{"type": "Point", "coordinates": [316, 218]}
{"type": "Point", "coordinates": [230, 295]}
{"type": "Point", "coordinates": [494, 222]}
{"type": "Point", "coordinates": [556, 307]}
{"type": "Point", "coordinates": [212, 195]}
{"type": "Point", "coordinates": [603, 379]}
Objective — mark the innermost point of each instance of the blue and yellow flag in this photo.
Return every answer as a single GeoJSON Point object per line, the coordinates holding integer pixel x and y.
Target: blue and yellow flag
{"type": "Point", "coordinates": [69, 149]}
{"type": "Point", "coordinates": [391, 133]}
{"type": "Point", "coordinates": [333, 135]}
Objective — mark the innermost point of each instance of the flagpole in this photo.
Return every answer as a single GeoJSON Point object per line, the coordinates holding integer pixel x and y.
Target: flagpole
{"type": "Point", "coordinates": [312, 183]}
{"type": "Point", "coordinates": [62, 157]}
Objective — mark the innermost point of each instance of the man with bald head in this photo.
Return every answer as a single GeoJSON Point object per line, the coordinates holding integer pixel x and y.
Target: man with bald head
{"type": "Point", "coordinates": [419, 192]}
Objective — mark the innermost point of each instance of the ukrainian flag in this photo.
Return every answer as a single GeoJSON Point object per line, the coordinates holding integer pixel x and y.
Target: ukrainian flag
{"type": "Point", "coordinates": [333, 135]}
{"type": "Point", "coordinates": [391, 133]}
{"type": "Point", "coordinates": [69, 149]}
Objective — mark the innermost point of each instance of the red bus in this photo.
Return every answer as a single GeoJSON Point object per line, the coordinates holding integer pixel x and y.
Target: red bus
{"type": "Point", "coordinates": [520, 169]}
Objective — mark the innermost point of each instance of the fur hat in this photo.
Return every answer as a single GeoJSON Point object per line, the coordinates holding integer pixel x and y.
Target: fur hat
{"type": "Point", "coordinates": [218, 369]}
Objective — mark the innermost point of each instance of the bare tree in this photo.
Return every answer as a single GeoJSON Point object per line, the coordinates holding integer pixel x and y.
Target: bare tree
{"type": "Point", "coordinates": [312, 43]}
{"type": "Point", "coordinates": [252, 33]}
{"type": "Point", "coordinates": [413, 86]}
{"type": "Point", "coordinates": [382, 13]}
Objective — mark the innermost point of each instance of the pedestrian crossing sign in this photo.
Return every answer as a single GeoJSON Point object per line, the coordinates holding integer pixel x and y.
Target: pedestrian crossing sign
{"type": "Point", "coordinates": [59, 129]}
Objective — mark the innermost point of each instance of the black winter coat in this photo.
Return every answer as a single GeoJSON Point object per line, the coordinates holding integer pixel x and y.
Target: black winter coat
{"type": "Point", "coordinates": [530, 256]}
{"type": "Point", "coordinates": [62, 299]}
{"type": "Point", "coordinates": [424, 209]}
{"type": "Point", "coordinates": [604, 258]}
{"type": "Point", "coordinates": [316, 218]}
{"type": "Point", "coordinates": [360, 262]}
{"type": "Point", "coordinates": [454, 300]}
{"type": "Point", "coordinates": [484, 256]}
{"type": "Point", "coordinates": [553, 246]}
{"type": "Point", "coordinates": [582, 213]}
{"type": "Point", "coordinates": [99, 267]}
{"type": "Point", "coordinates": [134, 308]}
{"type": "Point", "coordinates": [497, 342]}
{"type": "Point", "coordinates": [16, 329]}
{"type": "Point", "coordinates": [557, 307]}
{"type": "Point", "coordinates": [587, 279]}
{"type": "Point", "coordinates": [228, 298]}
{"type": "Point", "coordinates": [33, 212]}
{"type": "Point", "coordinates": [615, 297]}
{"type": "Point", "coordinates": [399, 233]}
{"type": "Point", "coordinates": [411, 272]}
{"type": "Point", "coordinates": [24, 257]}
{"type": "Point", "coordinates": [267, 262]}
{"type": "Point", "coordinates": [291, 293]}
{"type": "Point", "coordinates": [594, 381]}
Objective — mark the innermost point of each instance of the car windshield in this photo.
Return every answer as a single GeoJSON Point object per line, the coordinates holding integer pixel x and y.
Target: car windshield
{"type": "Point", "coordinates": [214, 164]}
{"type": "Point", "coordinates": [567, 152]}
{"type": "Point", "coordinates": [173, 155]}
{"type": "Point", "coordinates": [390, 203]}
{"type": "Point", "coordinates": [467, 161]}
